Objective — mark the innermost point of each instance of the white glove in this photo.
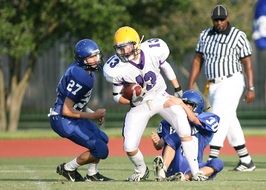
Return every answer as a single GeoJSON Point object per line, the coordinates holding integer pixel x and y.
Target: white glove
{"type": "Point", "coordinates": [178, 92]}
{"type": "Point", "coordinates": [136, 100]}
{"type": "Point", "coordinates": [199, 177]}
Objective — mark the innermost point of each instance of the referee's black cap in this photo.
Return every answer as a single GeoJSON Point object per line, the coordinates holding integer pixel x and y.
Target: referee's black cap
{"type": "Point", "coordinates": [219, 12]}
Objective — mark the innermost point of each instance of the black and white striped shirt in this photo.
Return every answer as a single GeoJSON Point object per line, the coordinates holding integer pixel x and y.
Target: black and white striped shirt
{"type": "Point", "coordinates": [222, 51]}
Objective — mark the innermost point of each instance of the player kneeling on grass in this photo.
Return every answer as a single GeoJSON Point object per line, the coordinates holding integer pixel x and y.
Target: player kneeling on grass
{"type": "Point", "coordinates": [71, 119]}
{"type": "Point", "coordinates": [173, 164]}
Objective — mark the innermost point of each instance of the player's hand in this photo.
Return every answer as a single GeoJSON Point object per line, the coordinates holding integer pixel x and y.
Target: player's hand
{"type": "Point", "coordinates": [155, 138]}
{"type": "Point", "coordinates": [137, 100]}
{"type": "Point", "coordinates": [99, 114]}
{"type": "Point", "coordinates": [101, 122]}
{"type": "Point", "coordinates": [249, 96]}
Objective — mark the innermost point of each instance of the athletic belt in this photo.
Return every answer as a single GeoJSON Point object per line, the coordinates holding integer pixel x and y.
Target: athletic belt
{"type": "Point", "coordinates": [220, 79]}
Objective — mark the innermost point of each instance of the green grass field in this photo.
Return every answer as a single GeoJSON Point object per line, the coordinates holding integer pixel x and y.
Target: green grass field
{"type": "Point", "coordinates": [39, 173]}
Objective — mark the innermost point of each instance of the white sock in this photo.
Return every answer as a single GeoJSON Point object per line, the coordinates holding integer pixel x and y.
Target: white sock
{"type": "Point", "coordinates": [72, 165]}
{"type": "Point", "coordinates": [92, 169]}
{"type": "Point", "coordinates": [246, 159]}
{"type": "Point", "coordinates": [138, 161]}
{"type": "Point", "coordinates": [191, 153]}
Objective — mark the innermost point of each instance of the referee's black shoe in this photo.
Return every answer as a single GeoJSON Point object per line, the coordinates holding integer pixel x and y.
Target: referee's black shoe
{"type": "Point", "coordinates": [243, 167]}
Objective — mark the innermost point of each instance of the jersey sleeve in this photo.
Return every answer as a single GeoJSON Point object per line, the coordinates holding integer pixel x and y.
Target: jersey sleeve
{"type": "Point", "coordinates": [157, 47]}
{"type": "Point", "coordinates": [245, 48]}
{"type": "Point", "coordinates": [209, 122]}
{"type": "Point", "coordinates": [112, 70]}
{"type": "Point", "coordinates": [200, 42]}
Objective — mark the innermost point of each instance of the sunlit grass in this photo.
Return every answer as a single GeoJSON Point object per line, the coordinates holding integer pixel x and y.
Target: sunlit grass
{"type": "Point", "coordinates": [39, 173]}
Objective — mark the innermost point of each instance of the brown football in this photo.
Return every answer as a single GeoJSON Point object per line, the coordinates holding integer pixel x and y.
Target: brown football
{"type": "Point", "coordinates": [128, 89]}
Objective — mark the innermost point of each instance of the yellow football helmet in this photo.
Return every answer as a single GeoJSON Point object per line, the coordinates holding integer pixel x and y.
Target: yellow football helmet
{"type": "Point", "coordinates": [126, 43]}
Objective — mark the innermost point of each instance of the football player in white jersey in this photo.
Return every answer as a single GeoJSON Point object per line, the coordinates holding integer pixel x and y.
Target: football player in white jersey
{"type": "Point", "coordinates": [141, 63]}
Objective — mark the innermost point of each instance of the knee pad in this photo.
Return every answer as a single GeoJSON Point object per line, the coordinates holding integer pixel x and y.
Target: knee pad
{"type": "Point", "coordinates": [216, 163]}
{"type": "Point", "coordinates": [100, 150]}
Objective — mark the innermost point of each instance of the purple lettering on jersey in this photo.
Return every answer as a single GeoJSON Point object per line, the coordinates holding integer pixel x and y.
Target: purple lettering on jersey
{"type": "Point", "coordinates": [113, 62]}
{"type": "Point", "coordinates": [153, 42]}
{"type": "Point", "coordinates": [149, 79]}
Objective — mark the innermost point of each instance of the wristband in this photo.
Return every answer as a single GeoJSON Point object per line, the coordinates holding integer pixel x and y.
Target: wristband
{"type": "Point", "coordinates": [178, 89]}
{"type": "Point", "coordinates": [251, 88]}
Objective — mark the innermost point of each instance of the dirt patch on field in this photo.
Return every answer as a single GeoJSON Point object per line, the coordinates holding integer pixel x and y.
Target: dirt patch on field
{"type": "Point", "coordinates": [63, 147]}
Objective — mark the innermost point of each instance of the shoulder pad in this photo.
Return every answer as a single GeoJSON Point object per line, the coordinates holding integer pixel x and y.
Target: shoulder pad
{"type": "Point", "coordinates": [112, 69]}
{"type": "Point", "coordinates": [209, 121]}
{"type": "Point", "coordinates": [157, 47]}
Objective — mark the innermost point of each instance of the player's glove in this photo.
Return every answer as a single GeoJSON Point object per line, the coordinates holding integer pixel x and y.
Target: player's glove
{"type": "Point", "coordinates": [179, 176]}
{"type": "Point", "coordinates": [199, 177]}
{"type": "Point", "coordinates": [178, 92]}
{"type": "Point", "coordinates": [136, 100]}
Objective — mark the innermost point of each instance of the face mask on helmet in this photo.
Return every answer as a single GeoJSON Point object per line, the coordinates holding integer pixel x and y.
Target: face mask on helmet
{"type": "Point", "coordinates": [93, 63]}
{"type": "Point", "coordinates": [88, 55]}
{"type": "Point", "coordinates": [126, 43]}
{"type": "Point", "coordinates": [126, 52]}
{"type": "Point", "coordinates": [195, 100]}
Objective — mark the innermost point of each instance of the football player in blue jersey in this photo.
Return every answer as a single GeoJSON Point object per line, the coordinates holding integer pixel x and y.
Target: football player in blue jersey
{"type": "Point", "coordinates": [72, 119]}
{"type": "Point", "coordinates": [173, 165]}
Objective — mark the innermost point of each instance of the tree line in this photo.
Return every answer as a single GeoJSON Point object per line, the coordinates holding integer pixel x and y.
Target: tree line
{"type": "Point", "coordinates": [29, 27]}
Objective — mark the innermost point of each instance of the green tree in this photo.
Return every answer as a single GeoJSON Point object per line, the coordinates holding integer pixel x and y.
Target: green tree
{"type": "Point", "coordinates": [179, 22]}
{"type": "Point", "coordinates": [29, 27]}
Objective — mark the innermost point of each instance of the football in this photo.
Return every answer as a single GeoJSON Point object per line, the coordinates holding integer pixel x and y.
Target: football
{"type": "Point", "coordinates": [128, 89]}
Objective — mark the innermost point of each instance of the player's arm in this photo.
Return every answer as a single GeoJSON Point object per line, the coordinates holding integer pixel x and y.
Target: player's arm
{"type": "Point", "coordinates": [190, 114]}
{"type": "Point", "coordinates": [157, 141]}
{"type": "Point", "coordinates": [195, 69]}
{"type": "Point", "coordinates": [69, 111]}
{"type": "Point", "coordinates": [170, 74]}
{"type": "Point", "coordinates": [117, 96]}
{"type": "Point", "coordinates": [248, 68]}
{"type": "Point", "coordinates": [161, 50]}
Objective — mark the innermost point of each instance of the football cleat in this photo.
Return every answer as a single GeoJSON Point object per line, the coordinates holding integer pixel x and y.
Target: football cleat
{"type": "Point", "coordinates": [73, 176]}
{"type": "Point", "coordinates": [158, 168]}
{"type": "Point", "coordinates": [243, 167]}
{"type": "Point", "coordinates": [137, 176]}
{"type": "Point", "coordinates": [96, 177]}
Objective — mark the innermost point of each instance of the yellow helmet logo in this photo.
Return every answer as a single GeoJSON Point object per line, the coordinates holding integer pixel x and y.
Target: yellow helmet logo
{"type": "Point", "coordinates": [126, 34]}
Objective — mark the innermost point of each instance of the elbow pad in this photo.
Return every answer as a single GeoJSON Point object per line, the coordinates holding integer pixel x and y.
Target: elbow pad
{"type": "Point", "coordinates": [116, 97]}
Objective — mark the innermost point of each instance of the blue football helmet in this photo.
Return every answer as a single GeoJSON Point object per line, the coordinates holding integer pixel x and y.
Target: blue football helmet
{"type": "Point", "coordinates": [87, 48]}
{"type": "Point", "coordinates": [194, 99]}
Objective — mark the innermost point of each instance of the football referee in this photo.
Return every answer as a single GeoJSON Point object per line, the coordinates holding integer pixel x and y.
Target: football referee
{"type": "Point", "coordinates": [223, 50]}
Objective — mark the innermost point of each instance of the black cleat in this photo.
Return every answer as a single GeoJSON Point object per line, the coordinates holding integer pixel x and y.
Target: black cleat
{"type": "Point", "coordinates": [97, 177]}
{"type": "Point", "coordinates": [243, 167]}
{"type": "Point", "coordinates": [73, 176]}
